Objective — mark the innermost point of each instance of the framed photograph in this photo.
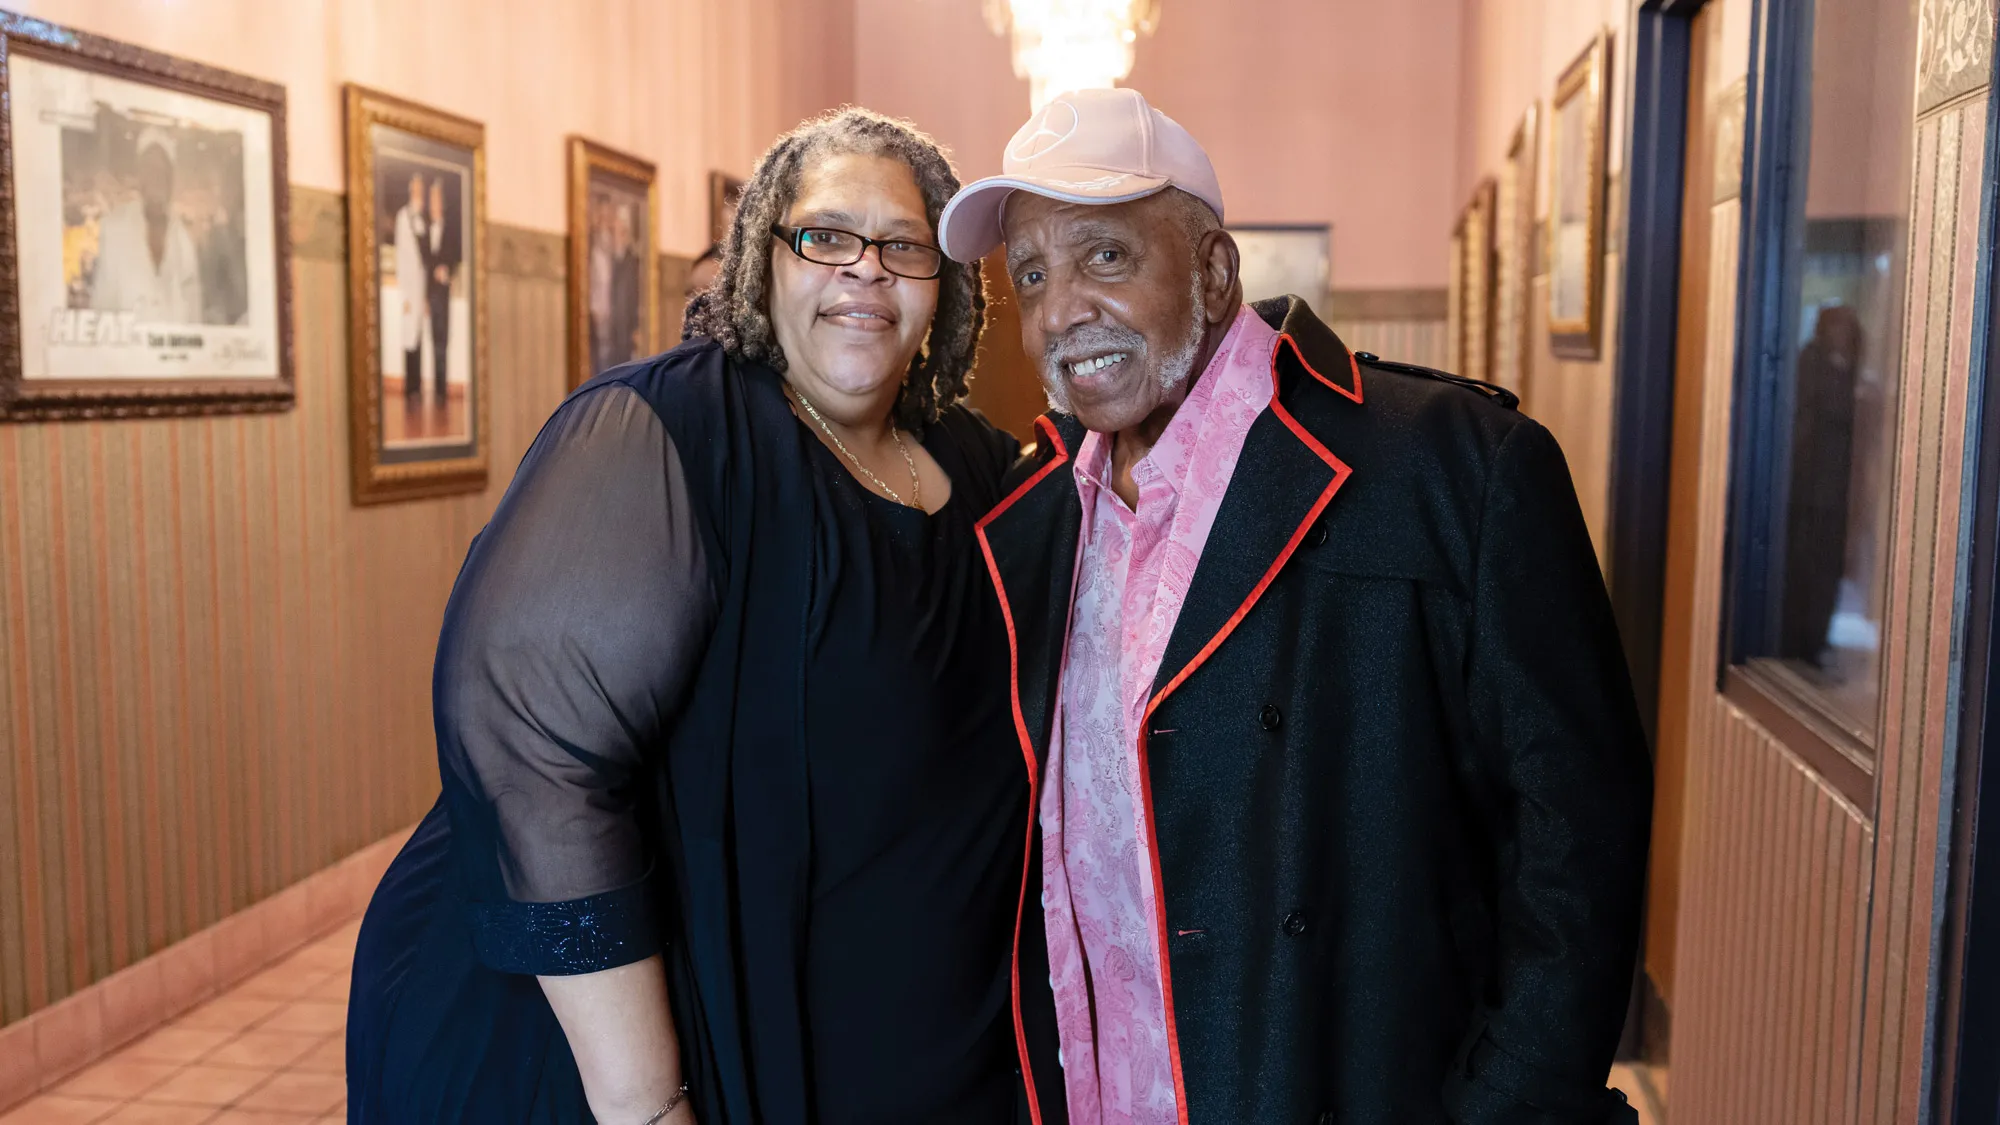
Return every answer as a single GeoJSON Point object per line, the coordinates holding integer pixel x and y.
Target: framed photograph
{"type": "Point", "coordinates": [724, 192]}
{"type": "Point", "coordinates": [614, 277]}
{"type": "Point", "coordinates": [145, 253]}
{"type": "Point", "coordinates": [1513, 253]}
{"type": "Point", "coordinates": [1279, 259]}
{"type": "Point", "coordinates": [1454, 299]}
{"type": "Point", "coordinates": [416, 251]}
{"type": "Point", "coordinates": [1576, 205]}
{"type": "Point", "coordinates": [1475, 247]}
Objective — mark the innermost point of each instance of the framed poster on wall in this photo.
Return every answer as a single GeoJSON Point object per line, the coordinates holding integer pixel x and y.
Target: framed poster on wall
{"type": "Point", "coordinates": [416, 242]}
{"type": "Point", "coordinates": [614, 275]}
{"type": "Point", "coordinates": [1454, 300]}
{"type": "Point", "coordinates": [1513, 251]}
{"type": "Point", "coordinates": [144, 239]}
{"type": "Point", "coordinates": [1281, 259]}
{"type": "Point", "coordinates": [1475, 272]}
{"type": "Point", "coordinates": [1576, 205]}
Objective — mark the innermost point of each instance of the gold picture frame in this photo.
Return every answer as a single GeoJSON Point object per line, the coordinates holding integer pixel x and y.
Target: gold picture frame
{"type": "Point", "coordinates": [607, 188]}
{"type": "Point", "coordinates": [1576, 203]}
{"type": "Point", "coordinates": [1513, 254]}
{"type": "Point", "coordinates": [1475, 244]}
{"type": "Point", "coordinates": [91, 326]}
{"type": "Point", "coordinates": [428, 435]}
{"type": "Point", "coordinates": [1454, 299]}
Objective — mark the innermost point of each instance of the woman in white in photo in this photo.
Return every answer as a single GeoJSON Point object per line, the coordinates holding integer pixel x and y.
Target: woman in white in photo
{"type": "Point", "coordinates": [411, 289]}
{"type": "Point", "coordinates": [147, 264]}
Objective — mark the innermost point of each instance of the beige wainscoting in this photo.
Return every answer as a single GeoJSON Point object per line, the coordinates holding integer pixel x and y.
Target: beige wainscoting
{"type": "Point", "coordinates": [1405, 325]}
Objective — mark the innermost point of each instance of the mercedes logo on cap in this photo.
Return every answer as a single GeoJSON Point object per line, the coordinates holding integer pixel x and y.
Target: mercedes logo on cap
{"type": "Point", "coordinates": [1052, 126]}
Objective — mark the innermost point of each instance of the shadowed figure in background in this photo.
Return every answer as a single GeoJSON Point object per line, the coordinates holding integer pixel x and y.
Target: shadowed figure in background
{"type": "Point", "coordinates": [1822, 466]}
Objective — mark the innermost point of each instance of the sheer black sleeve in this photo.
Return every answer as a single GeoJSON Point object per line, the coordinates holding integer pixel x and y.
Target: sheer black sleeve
{"type": "Point", "coordinates": [571, 636]}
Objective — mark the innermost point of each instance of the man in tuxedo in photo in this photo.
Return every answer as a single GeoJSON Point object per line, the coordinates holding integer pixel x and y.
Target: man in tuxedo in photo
{"type": "Point", "coordinates": [412, 262]}
{"type": "Point", "coordinates": [444, 250]}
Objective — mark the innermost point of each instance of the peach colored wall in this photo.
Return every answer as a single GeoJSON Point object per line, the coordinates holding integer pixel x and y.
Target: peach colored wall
{"type": "Point", "coordinates": [1513, 51]}
{"type": "Point", "coordinates": [691, 85]}
{"type": "Point", "coordinates": [1337, 111]}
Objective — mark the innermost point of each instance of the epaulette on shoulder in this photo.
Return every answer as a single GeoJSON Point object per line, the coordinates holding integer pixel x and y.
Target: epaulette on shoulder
{"type": "Point", "coordinates": [1506, 398]}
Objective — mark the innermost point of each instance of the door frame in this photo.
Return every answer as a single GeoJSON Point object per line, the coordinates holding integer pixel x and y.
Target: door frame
{"type": "Point", "coordinates": [1648, 324]}
{"type": "Point", "coordinates": [1642, 423]}
{"type": "Point", "coordinates": [1968, 999]}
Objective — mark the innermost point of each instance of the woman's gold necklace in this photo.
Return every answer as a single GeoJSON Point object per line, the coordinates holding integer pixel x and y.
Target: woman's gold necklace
{"type": "Point", "coordinates": [916, 483]}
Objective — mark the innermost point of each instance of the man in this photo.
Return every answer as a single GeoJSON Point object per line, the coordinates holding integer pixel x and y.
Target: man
{"type": "Point", "coordinates": [626, 293]}
{"type": "Point", "coordinates": [147, 263]}
{"type": "Point", "coordinates": [1343, 793]}
{"type": "Point", "coordinates": [443, 251]}
{"type": "Point", "coordinates": [1823, 459]}
{"type": "Point", "coordinates": [412, 233]}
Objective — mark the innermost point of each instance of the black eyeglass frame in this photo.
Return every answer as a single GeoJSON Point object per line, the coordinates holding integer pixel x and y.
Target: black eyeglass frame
{"type": "Point", "coordinates": [793, 236]}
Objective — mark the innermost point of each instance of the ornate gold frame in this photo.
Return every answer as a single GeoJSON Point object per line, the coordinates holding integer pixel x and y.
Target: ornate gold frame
{"type": "Point", "coordinates": [1513, 255]}
{"type": "Point", "coordinates": [1584, 78]}
{"type": "Point", "coordinates": [1476, 291]}
{"type": "Point", "coordinates": [1454, 299]}
{"type": "Point", "coordinates": [373, 481]}
{"type": "Point", "coordinates": [67, 399]}
{"type": "Point", "coordinates": [586, 157]}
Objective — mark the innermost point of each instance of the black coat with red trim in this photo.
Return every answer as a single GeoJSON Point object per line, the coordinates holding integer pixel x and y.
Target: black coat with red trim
{"type": "Point", "coordinates": [1398, 781]}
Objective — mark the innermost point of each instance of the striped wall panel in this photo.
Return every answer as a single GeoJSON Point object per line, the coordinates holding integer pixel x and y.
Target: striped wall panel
{"type": "Point", "coordinates": [1925, 575]}
{"type": "Point", "coordinates": [214, 670]}
{"type": "Point", "coordinates": [1406, 341]}
{"type": "Point", "coordinates": [1573, 398]}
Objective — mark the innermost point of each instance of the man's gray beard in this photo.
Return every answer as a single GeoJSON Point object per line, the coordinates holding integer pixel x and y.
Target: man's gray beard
{"type": "Point", "coordinates": [1175, 369]}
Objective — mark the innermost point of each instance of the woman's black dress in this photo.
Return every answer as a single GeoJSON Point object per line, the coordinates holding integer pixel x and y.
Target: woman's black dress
{"type": "Point", "coordinates": [580, 638]}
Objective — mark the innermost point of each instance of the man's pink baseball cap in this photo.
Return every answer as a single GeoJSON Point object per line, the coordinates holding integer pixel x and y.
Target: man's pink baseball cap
{"type": "Point", "coordinates": [1087, 146]}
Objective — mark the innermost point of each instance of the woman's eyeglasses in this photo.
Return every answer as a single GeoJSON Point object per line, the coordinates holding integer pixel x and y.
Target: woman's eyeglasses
{"type": "Point", "coordinates": [828, 246]}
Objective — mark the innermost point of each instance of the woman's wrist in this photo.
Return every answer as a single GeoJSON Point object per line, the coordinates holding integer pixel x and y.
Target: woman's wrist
{"type": "Point", "coordinates": [670, 1108]}
{"type": "Point", "coordinates": [647, 1104]}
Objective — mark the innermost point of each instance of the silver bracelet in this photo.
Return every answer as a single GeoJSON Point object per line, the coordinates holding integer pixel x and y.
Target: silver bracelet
{"type": "Point", "coordinates": [673, 1104]}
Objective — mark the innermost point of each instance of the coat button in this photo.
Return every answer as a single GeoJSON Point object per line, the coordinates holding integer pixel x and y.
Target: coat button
{"type": "Point", "coordinates": [1365, 357]}
{"type": "Point", "coordinates": [1317, 536]}
{"type": "Point", "coordinates": [1295, 924]}
{"type": "Point", "coordinates": [1271, 717]}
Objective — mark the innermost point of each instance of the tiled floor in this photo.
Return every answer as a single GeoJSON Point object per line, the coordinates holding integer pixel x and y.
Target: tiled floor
{"type": "Point", "coordinates": [270, 1052]}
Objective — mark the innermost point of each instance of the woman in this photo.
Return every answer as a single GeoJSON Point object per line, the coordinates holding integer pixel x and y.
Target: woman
{"type": "Point", "coordinates": [720, 697]}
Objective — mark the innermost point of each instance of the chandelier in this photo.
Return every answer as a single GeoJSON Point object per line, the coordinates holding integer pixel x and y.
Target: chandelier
{"type": "Point", "coordinates": [1063, 45]}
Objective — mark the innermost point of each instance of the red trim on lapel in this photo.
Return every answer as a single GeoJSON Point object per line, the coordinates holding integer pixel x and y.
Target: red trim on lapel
{"type": "Point", "coordinates": [1341, 472]}
{"type": "Point", "coordinates": [1352, 363]}
{"type": "Point", "coordinates": [1048, 430]}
